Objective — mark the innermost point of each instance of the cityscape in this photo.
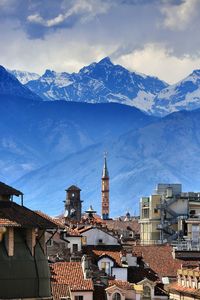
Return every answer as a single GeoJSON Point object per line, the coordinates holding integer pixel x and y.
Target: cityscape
{"type": "Point", "coordinates": [99, 150]}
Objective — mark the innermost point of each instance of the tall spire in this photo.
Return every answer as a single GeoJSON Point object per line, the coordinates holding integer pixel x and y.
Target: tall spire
{"type": "Point", "coordinates": [105, 190]}
{"type": "Point", "coordinates": [105, 173]}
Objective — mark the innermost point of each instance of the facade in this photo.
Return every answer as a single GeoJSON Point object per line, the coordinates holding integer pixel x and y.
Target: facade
{"type": "Point", "coordinates": [105, 191]}
{"type": "Point", "coordinates": [187, 286]}
{"type": "Point", "coordinates": [165, 215]}
{"type": "Point", "coordinates": [73, 204]}
{"type": "Point", "coordinates": [24, 271]}
{"type": "Point", "coordinates": [94, 236]}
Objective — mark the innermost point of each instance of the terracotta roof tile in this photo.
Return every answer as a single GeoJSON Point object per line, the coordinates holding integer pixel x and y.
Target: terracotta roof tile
{"type": "Point", "coordinates": [8, 223]}
{"type": "Point", "coordinates": [17, 215]}
{"type": "Point", "coordinates": [59, 290]}
{"type": "Point", "coordinates": [71, 274]}
{"type": "Point", "coordinates": [72, 232]}
{"type": "Point", "coordinates": [115, 255]}
{"type": "Point", "coordinates": [159, 258]}
{"type": "Point", "coordinates": [57, 222]}
{"type": "Point", "coordinates": [179, 288]}
{"type": "Point", "coordinates": [125, 285]}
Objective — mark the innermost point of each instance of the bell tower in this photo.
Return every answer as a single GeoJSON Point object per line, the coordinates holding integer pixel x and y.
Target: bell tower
{"type": "Point", "coordinates": [105, 191]}
{"type": "Point", "coordinates": [73, 204]}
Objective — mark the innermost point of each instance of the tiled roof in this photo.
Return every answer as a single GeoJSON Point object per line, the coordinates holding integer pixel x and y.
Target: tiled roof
{"type": "Point", "coordinates": [12, 214]}
{"type": "Point", "coordinates": [59, 290]}
{"type": "Point", "coordinates": [57, 222]}
{"type": "Point", "coordinates": [115, 255]}
{"type": "Point", "coordinates": [184, 290]}
{"type": "Point", "coordinates": [159, 258]}
{"type": "Point", "coordinates": [125, 285]}
{"type": "Point", "coordinates": [8, 190]}
{"type": "Point", "coordinates": [124, 225]}
{"type": "Point", "coordinates": [71, 274]}
{"type": "Point", "coordinates": [8, 223]}
{"type": "Point", "coordinates": [72, 232]}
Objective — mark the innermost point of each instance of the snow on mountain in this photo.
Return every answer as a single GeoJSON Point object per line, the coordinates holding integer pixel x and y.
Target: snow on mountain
{"type": "Point", "coordinates": [100, 82]}
{"type": "Point", "coordinates": [10, 85]}
{"type": "Point", "coordinates": [184, 95]}
{"type": "Point", "coordinates": [24, 76]}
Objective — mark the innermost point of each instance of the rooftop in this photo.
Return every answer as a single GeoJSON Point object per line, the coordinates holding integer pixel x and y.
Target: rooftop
{"type": "Point", "coordinates": [8, 190]}
{"type": "Point", "coordinates": [12, 214]}
{"type": "Point", "coordinates": [71, 274]}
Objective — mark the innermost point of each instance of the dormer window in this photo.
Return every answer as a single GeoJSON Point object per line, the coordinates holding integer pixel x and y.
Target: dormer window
{"type": "Point", "coordinates": [116, 296]}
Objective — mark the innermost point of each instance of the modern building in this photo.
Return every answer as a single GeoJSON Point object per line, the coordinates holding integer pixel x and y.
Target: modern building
{"type": "Point", "coordinates": [165, 215]}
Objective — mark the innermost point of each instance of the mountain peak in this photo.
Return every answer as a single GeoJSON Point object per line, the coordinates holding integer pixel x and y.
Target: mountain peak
{"type": "Point", "coordinates": [196, 72]}
{"type": "Point", "coordinates": [106, 61]}
{"type": "Point", "coordinates": [49, 73]}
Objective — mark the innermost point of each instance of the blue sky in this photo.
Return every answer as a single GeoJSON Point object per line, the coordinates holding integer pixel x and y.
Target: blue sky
{"type": "Point", "coordinates": [155, 37]}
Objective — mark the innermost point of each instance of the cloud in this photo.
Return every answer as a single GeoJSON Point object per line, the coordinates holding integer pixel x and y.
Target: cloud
{"type": "Point", "coordinates": [178, 17]}
{"type": "Point", "coordinates": [157, 60]}
{"type": "Point", "coordinates": [86, 9]}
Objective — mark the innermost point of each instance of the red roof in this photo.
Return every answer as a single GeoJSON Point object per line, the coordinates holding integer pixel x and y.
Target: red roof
{"type": "Point", "coordinates": [71, 274]}
{"type": "Point", "coordinates": [125, 285]}
{"type": "Point", "coordinates": [184, 290]}
{"type": "Point", "coordinates": [59, 291]}
{"type": "Point", "coordinates": [159, 258]}
{"type": "Point", "coordinates": [115, 255]}
{"type": "Point", "coordinates": [12, 214]}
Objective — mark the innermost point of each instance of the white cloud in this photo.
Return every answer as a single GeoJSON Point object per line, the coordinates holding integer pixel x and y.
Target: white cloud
{"type": "Point", "coordinates": [179, 16]}
{"type": "Point", "coordinates": [87, 9]}
{"type": "Point", "coordinates": [156, 60]}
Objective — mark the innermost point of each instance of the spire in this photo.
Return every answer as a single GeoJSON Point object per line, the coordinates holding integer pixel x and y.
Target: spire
{"type": "Point", "coordinates": [105, 168]}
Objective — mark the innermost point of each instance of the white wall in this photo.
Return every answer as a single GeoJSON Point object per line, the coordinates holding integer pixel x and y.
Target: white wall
{"type": "Point", "coordinates": [120, 273]}
{"type": "Point", "coordinates": [86, 295]}
{"type": "Point", "coordinates": [74, 240]}
{"type": "Point", "coordinates": [106, 260]}
{"type": "Point", "coordinates": [95, 234]}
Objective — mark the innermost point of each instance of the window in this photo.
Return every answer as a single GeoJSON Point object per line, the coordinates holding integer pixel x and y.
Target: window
{"type": "Point", "coordinates": [116, 296]}
{"type": "Point", "coordinates": [100, 241]}
{"type": "Point", "coordinates": [78, 298]}
{"type": "Point", "coordinates": [155, 210]}
{"type": "Point", "coordinates": [74, 248]}
{"type": "Point", "coordinates": [146, 292]}
{"type": "Point", "coordinates": [145, 213]}
{"type": "Point", "coordinates": [105, 266]}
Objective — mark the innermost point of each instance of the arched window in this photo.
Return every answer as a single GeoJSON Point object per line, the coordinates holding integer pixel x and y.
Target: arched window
{"type": "Point", "coordinates": [116, 296]}
{"type": "Point", "coordinates": [146, 292]}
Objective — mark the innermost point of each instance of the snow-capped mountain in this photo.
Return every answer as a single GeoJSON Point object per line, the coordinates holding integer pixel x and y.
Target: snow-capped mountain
{"type": "Point", "coordinates": [9, 85]}
{"type": "Point", "coordinates": [100, 82]}
{"type": "Point", "coordinates": [184, 95]}
{"type": "Point", "coordinates": [24, 76]}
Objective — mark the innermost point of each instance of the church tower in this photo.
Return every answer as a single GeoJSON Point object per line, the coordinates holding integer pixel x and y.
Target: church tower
{"type": "Point", "coordinates": [73, 204]}
{"type": "Point", "coordinates": [105, 191]}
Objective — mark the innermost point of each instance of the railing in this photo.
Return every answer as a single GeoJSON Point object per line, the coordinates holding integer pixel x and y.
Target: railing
{"type": "Point", "coordinates": [186, 246]}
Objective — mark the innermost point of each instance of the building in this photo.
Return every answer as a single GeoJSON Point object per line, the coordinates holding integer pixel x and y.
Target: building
{"type": "Point", "coordinates": [165, 215]}
{"type": "Point", "coordinates": [73, 204]}
{"type": "Point", "coordinates": [24, 270]}
{"type": "Point", "coordinates": [105, 191]}
{"type": "Point", "coordinates": [68, 279]}
{"type": "Point", "coordinates": [187, 286]}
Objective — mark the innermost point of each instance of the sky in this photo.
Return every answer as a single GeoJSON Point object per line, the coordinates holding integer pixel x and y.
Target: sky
{"type": "Point", "coordinates": [154, 37]}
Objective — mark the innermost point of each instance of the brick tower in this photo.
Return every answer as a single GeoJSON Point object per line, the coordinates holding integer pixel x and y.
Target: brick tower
{"type": "Point", "coordinates": [105, 191]}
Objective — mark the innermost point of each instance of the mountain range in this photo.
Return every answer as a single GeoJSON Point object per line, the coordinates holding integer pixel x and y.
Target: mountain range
{"type": "Point", "coordinates": [46, 146]}
{"type": "Point", "coordinates": [105, 82]}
